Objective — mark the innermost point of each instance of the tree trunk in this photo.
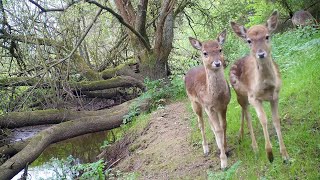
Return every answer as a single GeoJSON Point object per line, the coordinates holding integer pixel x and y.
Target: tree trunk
{"type": "Point", "coordinates": [153, 68]}
{"type": "Point", "coordinates": [154, 62]}
{"type": "Point", "coordinates": [65, 130]}
{"type": "Point", "coordinates": [10, 150]}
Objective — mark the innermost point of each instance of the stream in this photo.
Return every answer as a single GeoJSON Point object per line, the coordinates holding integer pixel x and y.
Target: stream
{"type": "Point", "coordinates": [83, 149]}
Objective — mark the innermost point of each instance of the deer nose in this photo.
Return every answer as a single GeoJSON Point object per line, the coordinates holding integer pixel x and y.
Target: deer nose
{"type": "Point", "coordinates": [261, 54]}
{"type": "Point", "coordinates": [217, 63]}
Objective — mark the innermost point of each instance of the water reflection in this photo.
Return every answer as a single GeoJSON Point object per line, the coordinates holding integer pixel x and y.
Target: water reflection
{"type": "Point", "coordinates": [84, 148]}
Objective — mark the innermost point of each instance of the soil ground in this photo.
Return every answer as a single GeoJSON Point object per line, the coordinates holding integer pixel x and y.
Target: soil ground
{"type": "Point", "coordinates": [164, 150]}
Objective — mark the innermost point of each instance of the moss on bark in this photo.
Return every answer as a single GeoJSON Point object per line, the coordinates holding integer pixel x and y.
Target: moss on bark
{"type": "Point", "coordinates": [84, 69]}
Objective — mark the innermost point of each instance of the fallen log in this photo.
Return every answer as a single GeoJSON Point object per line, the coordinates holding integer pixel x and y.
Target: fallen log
{"type": "Point", "coordinates": [54, 116]}
{"type": "Point", "coordinates": [65, 130]}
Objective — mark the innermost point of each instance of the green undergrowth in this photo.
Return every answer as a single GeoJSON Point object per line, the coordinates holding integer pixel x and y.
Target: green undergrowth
{"type": "Point", "coordinates": [298, 56]}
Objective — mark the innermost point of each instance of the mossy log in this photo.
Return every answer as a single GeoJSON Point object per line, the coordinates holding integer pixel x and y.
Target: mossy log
{"type": "Point", "coordinates": [122, 70]}
{"type": "Point", "coordinates": [48, 116]}
{"type": "Point", "coordinates": [118, 81]}
{"type": "Point", "coordinates": [18, 81]}
{"type": "Point", "coordinates": [66, 130]}
{"type": "Point", "coordinates": [40, 117]}
{"type": "Point", "coordinates": [84, 69]}
{"type": "Point", "coordinates": [11, 149]}
{"type": "Point", "coordinates": [108, 93]}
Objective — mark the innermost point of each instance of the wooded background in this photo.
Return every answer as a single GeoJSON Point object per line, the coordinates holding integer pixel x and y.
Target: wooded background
{"type": "Point", "coordinates": [60, 59]}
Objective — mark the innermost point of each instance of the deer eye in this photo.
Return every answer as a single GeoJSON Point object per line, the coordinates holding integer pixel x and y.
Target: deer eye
{"type": "Point", "coordinates": [205, 54]}
{"type": "Point", "coordinates": [220, 50]}
{"type": "Point", "coordinates": [249, 41]}
{"type": "Point", "coordinates": [267, 37]}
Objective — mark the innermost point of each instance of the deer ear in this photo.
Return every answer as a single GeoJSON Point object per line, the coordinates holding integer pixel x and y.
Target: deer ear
{"type": "Point", "coordinates": [222, 37]}
{"type": "Point", "coordinates": [272, 21]}
{"type": "Point", "coordinates": [240, 30]}
{"type": "Point", "coordinates": [195, 43]}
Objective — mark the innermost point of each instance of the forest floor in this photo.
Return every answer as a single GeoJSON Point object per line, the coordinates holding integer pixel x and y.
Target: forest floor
{"type": "Point", "coordinates": [165, 149]}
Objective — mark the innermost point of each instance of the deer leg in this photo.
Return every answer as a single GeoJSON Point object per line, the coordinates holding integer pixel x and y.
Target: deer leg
{"type": "Point", "coordinates": [219, 134]}
{"type": "Point", "coordinates": [241, 131]}
{"type": "Point", "coordinates": [257, 104]}
{"type": "Point", "coordinates": [198, 110]}
{"type": "Point", "coordinates": [276, 123]}
{"type": "Point", "coordinates": [249, 123]}
{"type": "Point", "coordinates": [223, 122]}
{"type": "Point", "coordinates": [243, 103]}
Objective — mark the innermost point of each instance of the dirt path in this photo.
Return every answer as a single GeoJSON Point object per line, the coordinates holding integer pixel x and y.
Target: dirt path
{"type": "Point", "coordinates": [164, 151]}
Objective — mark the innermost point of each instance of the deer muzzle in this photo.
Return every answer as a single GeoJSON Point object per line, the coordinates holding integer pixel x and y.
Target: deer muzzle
{"type": "Point", "coordinates": [216, 64]}
{"type": "Point", "coordinates": [261, 54]}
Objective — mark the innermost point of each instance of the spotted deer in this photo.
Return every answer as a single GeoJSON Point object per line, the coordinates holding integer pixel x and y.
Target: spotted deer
{"type": "Point", "coordinates": [256, 78]}
{"type": "Point", "coordinates": [208, 89]}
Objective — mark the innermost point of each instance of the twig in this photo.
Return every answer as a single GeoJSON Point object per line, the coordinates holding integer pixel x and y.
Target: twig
{"type": "Point", "coordinates": [121, 20]}
{"type": "Point", "coordinates": [80, 40]}
{"type": "Point", "coordinates": [25, 173]}
{"type": "Point", "coordinates": [114, 163]}
{"type": "Point", "coordinates": [25, 99]}
{"type": "Point", "coordinates": [190, 20]}
{"type": "Point", "coordinates": [52, 9]}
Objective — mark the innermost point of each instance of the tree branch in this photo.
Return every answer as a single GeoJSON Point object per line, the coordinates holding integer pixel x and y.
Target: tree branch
{"type": "Point", "coordinates": [53, 9]}
{"type": "Point", "coordinates": [181, 6]}
{"type": "Point", "coordinates": [31, 40]}
{"type": "Point", "coordinates": [121, 20]}
{"type": "Point", "coordinates": [80, 40]}
{"type": "Point", "coordinates": [141, 18]}
{"type": "Point", "coordinates": [167, 8]}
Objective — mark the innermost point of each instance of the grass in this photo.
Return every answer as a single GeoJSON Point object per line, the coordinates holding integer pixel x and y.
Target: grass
{"type": "Point", "coordinates": [298, 56]}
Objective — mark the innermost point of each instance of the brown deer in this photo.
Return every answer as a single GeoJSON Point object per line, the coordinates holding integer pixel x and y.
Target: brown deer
{"type": "Point", "coordinates": [208, 89]}
{"type": "Point", "coordinates": [303, 18]}
{"type": "Point", "coordinates": [256, 78]}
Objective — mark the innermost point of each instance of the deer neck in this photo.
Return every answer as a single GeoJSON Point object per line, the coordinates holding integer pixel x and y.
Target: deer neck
{"type": "Point", "coordinates": [265, 68]}
{"type": "Point", "coordinates": [266, 75]}
{"type": "Point", "coordinates": [215, 81]}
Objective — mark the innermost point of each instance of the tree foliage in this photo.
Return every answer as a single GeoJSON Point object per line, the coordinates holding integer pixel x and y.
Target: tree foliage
{"type": "Point", "coordinates": [66, 54]}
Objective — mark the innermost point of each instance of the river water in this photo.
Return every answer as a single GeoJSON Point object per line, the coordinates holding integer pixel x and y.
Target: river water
{"type": "Point", "coordinates": [83, 148]}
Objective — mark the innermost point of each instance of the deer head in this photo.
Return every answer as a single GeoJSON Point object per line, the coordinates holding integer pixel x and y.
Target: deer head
{"type": "Point", "coordinates": [258, 36]}
{"type": "Point", "coordinates": [211, 51]}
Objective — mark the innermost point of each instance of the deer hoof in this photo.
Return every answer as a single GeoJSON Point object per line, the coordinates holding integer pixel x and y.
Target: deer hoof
{"type": "Point", "coordinates": [224, 169]}
{"type": "Point", "coordinates": [270, 156]}
{"type": "Point", "coordinates": [240, 137]}
{"type": "Point", "coordinates": [286, 160]}
{"type": "Point", "coordinates": [206, 150]}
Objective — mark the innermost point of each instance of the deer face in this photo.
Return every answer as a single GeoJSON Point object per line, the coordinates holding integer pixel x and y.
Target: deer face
{"type": "Point", "coordinates": [259, 41]}
{"type": "Point", "coordinates": [211, 51]}
{"type": "Point", "coordinates": [258, 36]}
